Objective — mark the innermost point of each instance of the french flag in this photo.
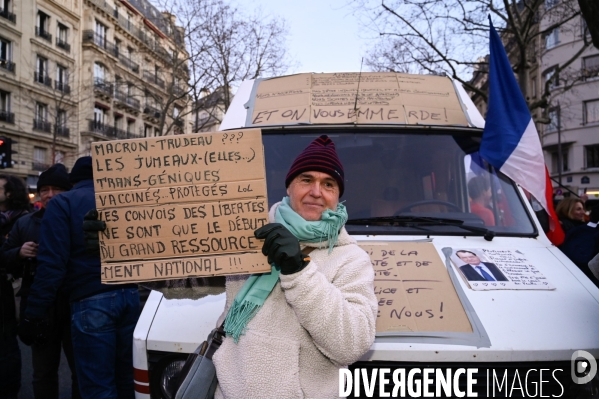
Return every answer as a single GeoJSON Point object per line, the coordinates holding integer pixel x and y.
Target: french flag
{"type": "Point", "coordinates": [510, 140]}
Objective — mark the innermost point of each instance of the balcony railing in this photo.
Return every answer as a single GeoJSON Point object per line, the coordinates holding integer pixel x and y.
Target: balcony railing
{"type": "Point", "coordinates": [152, 111]}
{"type": "Point", "coordinates": [62, 131]}
{"type": "Point", "coordinates": [40, 166]}
{"type": "Point", "coordinates": [103, 86]}
{"type": "Point", "coordinates": [110, 131]}
{"type": "Point", "coordinates": [63, 45]}
{"type": "Point", "coordinates": [43, 79]}
{"type": "Point", "coordinates": [7, 117]}
{"type": "Point", "coordinates": [133, 102]}
{"type": "Point", "coordinates": [8, 65]}
{"type": "Point", "coordinates": [64, 87]}
{"type": "Point", "coordinates": [128, 63]}
{"type": "Point", "coordinates": [8, 15]}
{"type": "Point", "coordinates": [41, 32]}
{"type": "Point", "coordinates": [89, 36]}
{"type": "Point", "coordinates": [44, 126]}
{"type": "Point", "coordinates": [153, 78]}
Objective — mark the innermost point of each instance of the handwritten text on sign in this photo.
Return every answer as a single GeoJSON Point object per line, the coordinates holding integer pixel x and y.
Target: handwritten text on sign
{"type": "Point", "coordinates": [357, 98]}
{"type": "Point", "coordinates": [166, 199]}
{"type": "Point", "coordinates": [414, 290]}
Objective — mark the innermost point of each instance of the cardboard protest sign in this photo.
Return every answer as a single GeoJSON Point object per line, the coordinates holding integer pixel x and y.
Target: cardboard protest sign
{"type": "Point", "coordinates": [368, 97]}
{"type": "Point", "coordinates": [414, 289]}
{"type": "Point", "coordinates": [181, 206]}
{"type": "Point", "coordinates": [498, 269]}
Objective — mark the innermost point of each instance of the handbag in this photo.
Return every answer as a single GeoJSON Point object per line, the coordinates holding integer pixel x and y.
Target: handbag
{"type": "Point", "coordinates": [198, 375]}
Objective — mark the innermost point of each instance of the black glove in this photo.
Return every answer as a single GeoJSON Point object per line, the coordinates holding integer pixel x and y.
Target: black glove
{"type": "Point", "coordinates": [33, 331]}
{"type": "Point", "coordinates": [91, 226]}
{"type": "Point", "coordinates": [282, 248]}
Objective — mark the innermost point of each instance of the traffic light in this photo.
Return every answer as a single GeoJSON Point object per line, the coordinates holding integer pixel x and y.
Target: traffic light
{"type": "Point", "coordinates": [5, 152]}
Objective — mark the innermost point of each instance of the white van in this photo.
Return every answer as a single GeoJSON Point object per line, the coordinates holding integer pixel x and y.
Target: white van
{"type": "Point", "coordinates": [408, 144]}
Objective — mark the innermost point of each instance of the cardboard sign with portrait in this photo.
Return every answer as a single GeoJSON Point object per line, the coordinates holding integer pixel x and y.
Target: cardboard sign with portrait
{"type": "Point", "coordinates": [498, 269]}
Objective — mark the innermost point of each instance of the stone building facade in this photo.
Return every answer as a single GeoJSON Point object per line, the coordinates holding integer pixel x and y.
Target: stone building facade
{"type": "Point", "coordinates": [77, 71]}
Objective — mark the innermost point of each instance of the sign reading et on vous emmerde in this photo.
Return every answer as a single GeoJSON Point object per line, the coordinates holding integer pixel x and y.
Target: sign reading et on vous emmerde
{"type": "Point", "coordinates": [181, 206]}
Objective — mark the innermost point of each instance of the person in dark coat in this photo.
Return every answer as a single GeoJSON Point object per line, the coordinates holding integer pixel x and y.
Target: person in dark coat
{"type": "Point", "coordinates": [581, 244]}
{"type": "Point", "coordinates": [570, 212]}
{"type": "Point", "coordinates": [103, 316]}
{"type": "Point", "coordinates": [14, 203]}
{"type": "Point", "coordinates": [19, 253]}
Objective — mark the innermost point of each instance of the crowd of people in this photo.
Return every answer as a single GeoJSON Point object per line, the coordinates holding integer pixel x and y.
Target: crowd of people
{"type": "Point", "coordinates": [317, 304]}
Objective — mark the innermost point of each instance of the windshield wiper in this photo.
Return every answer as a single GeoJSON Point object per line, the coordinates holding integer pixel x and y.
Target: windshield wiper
{"type": "Point", "coordinates": [415, 221]}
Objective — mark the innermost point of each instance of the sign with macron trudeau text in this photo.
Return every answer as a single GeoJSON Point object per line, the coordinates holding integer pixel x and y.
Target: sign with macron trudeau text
{"type": "Point", "coordinates": [181, 206]}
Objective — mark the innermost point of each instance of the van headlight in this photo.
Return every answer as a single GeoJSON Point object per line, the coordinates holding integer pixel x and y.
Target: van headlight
{"type": "Point", "coordinates": [169, 376]}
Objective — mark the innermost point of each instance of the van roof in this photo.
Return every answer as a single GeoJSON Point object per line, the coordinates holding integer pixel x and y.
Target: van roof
{"type": "Point", "coordinates": [368, 98]}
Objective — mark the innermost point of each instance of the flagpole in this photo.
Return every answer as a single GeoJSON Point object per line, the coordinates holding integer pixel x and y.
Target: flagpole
{"type": "Point", "coordinates": [560, 159]}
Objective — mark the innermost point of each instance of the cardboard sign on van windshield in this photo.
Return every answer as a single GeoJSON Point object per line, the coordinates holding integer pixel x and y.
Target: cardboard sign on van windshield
{"type": "Point", "coordinates": [181, 206]}
{"type": "Point", "coordinates": [414, 289]}
{"type": "Point", "coordinates": [368, 97]}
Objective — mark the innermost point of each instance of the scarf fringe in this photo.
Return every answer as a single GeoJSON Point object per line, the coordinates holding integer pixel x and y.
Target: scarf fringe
{"type": "Point", "coordinates": [238, 317]}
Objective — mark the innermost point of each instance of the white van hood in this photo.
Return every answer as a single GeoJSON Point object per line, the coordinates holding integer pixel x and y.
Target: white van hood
{"type": "Point", "coordinates": [524, 325]}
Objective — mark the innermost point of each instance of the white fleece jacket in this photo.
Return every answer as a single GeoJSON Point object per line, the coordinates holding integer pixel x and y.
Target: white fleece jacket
{"type": "Point", "coordinates": [313, 323]}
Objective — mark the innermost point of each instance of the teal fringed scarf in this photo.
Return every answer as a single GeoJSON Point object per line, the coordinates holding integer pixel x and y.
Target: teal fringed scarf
{"type": "Point", "coordinates": [256, 289]}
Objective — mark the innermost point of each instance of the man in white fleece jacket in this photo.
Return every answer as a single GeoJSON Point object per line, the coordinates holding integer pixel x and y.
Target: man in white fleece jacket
{"type": "Point", "coordinates": [320, 316]}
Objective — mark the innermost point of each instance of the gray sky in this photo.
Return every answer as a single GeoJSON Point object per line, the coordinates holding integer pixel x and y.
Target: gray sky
{"type": "Point", "coordinates": [323, 34]}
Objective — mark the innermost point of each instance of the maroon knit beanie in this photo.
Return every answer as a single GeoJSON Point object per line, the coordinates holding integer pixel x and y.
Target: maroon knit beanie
{"type": "Point", "coordinates": [318, 156]}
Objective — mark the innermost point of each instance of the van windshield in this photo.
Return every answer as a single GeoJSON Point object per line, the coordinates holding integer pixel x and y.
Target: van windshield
{"type": "Point", "coordinates": [409, 182]}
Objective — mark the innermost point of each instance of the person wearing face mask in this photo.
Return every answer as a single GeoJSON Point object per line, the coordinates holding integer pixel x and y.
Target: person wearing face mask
{"type": "Point", "coordinates": [570, 212]}
{"type": "Point", "coordinates": [20, 252]}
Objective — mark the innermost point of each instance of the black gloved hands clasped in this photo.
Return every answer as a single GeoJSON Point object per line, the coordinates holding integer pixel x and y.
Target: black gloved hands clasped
{"type": "Point", "coordinates": [282, 248]}
{"type": "Point", "coordinates": [32, 331]}
{"type": "Point", "coordinates": [91, 227]}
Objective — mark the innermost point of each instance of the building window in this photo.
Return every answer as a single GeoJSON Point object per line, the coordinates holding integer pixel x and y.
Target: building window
{"type": "Point", "coordinates": [40, 122]}
{"type": "Point", "coordinates": [590, 66]}
{"type": "Point", "coordinates": [61, 117]}
{"type": "Point", "coordinates": [62, 36]}
{"type": "Point", "coordinates": [6, 11]}
{"type": "Point", "coordinates": [4, 101]}
{"type": "Point", "coordinates": [552, 39]}
{"type": "Point", "coordinates": [591, 111]}
{"type": "Point", "coordinates": [5, 114]}
{"type": "Point", "coordinates": [39, 158]}
{"type": "Point", "coordinates": [533, 87]}
{"type": "Point", "coordinates": [147, 131]}
{"type": "Point", "coordinates": [41, 112]}
{"type": "Point", "coordinates": [99, 115]}
{"type": "Point", "coordinates": [100, 34]}
{"type": "Point", "coordinates": [552, 74]}
{"type": "Point", "coordinates": [41, 71]}
{"type": "Point", "coordinates": [118, 122]}
{"type": "Point", "coordinates": [552, 126]}
{"type": "Point", "coordinates": [61, 123]}
{"type": "Point", "coordinates": [117, 47]}
{"type": "Point", "coordinates": [62, 79]}
{"type": "Point", "coordinates": [43, 26]}
{"type": "Point", "coordinates": [550, 4]}
{"type": "Point", "coordinates": [99, 74]}
{"type": "Point", "coordinates": [130, 127]}
{"type": "Point", "coordinates": [592, 156]}
{"type": "Point", "coordinates": [6, 55]}
{"type": "Point", "coordinates": [555, 161]}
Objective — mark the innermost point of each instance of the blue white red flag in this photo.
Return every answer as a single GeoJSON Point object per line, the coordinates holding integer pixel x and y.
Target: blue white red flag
{"type": "Point", "coordinates": [510, 140]}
